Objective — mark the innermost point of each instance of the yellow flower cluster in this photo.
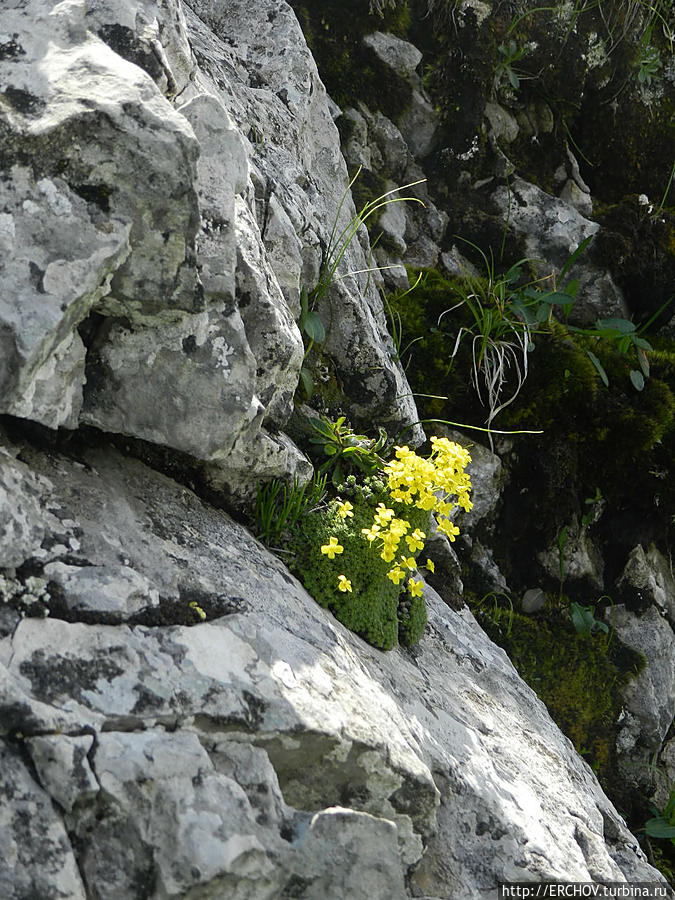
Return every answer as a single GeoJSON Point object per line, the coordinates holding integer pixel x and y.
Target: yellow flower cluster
{"type": "Point", "coordinates": [431, 485]}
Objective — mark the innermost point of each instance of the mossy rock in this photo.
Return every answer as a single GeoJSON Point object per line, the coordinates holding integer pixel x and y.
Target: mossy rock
{"type": "Point", "coordinates": [371, 609]}
{"type": "Point", "coordinates": [334, 30]}
{"type": "Point", "coordinates": [579, 679]}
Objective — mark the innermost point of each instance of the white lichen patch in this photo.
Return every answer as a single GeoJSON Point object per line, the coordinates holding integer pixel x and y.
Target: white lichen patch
{"type": "Point", "coordinates": [25, 595]}
{"type": "Point", "coordinates": [222, 352]}
{"type": "Point", "coordinates": [58, 203]}
{"type": "Point", "coordinates": [480, 10]}
{"type": "Point", "coordinates": [596, 55]}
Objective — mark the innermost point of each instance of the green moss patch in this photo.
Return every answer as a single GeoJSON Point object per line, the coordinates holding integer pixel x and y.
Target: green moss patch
{"type": "Point", "coordinates": [579, 679]}
{"type": "Point", "coordinates": [375, 608]}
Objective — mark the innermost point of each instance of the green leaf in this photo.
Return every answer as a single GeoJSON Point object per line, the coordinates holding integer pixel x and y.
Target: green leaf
{"type": "Point", "coordinates": [659, 828]}
{"type": "Point", "coordinates": [307, 383]}
{"type": "Point", "coordinates": [641, 343]}
{"type": "Point", "coordinates": [623, 326]}
{"type": "Point", "coordinates": [559, 298]}
{"type": "Point", "coordinates": [573, 258]}
{"type": "Point", "coordinates": [314, 328]}
{"type": "Point", "coordinates": [637, 379]}
{"type": "Point", "coordinates": [543, 312]}
{"type": "Point", "coordinates": [513, 78]}
{"type": "Point", "coordinates": [572, 287]}
{"type": "Point", "coordinates": [582, 619]}
{"type": "Point", "coordinates": [599, 367]}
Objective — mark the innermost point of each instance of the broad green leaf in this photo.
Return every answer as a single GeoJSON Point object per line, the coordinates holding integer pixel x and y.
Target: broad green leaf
{"type": "Point", "coordinates": [559, 298]}
{"type": "Point", "coordinates": [513, 78]}
{"type": "Point", "coordinates": [314, 328]}
{"type": "Point", "coordinates": [307, 384]}
{"type": "Point", "coordinates": [637, 379]}
{"type": "Point", "coordinates": [599, 367]}
{"type": "Point", "coordinates": [582, 619]}
{"type": "Point", "coordinates": [624, 326]}
{"type": "Point", "coordinates": [642, 343]}
{"type": "Point", "coordinates": [659, 828]}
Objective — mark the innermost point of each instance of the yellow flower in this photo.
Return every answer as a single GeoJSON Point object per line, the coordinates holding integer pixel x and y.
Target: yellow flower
{"type": "Point", "coordinates": [396, 574]}
{"type": "Point", "coordinates": [345, 510]}
{"type": "Point", "coordinates": [415, 587]}
{"type": "Point", "coordinates": [390, 541]}
{"type": "Point", "coordinates": [444, 508]}
{"type": "Point", "coordinates": [426, 501]}
{"type": "Point", "coordinates": [446, 527]}
{"type": "Point", "coordinates": [388, 554]}
{"type": "Point", "coordinates": [371, 533]}
{"type": "Point", "coordinates": [464, 502]}
{"type": "Point", "coordinates": [399, 526]}
{"type": "Point", "coordinates": [415, 541]}
{"type": "Point", "coordinates": [331, 548]}
{"type": "Point", "coordinates": [383, 514]}
{"type": "Point", "coordinates": [430, 566]}
{"type": "Point", "coordinates": [344, 584]}
{"type": "Point", "coordinates": [409, 562]}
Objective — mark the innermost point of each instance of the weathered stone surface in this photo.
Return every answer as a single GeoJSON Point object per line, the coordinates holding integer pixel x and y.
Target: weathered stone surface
{"type": "Point", "coordinates": [401, 56]}
{"type": "Point", "coordinates": [115, 591]}
{"type": "Point", "coordinates": [414, 228]}
{"type": "Point", "coordinates": [187, 382]}
{"type": "Point", "coordinates": [665, 775]}
{"type": "Point", "coordinates": [155, 228]}
{"type": "Point", "coordinates": [21, 526]}
{"type": "Point", "coordinates": [188, 722]}
{"type": "Point", "coordinates": [172, 174]}
{"type": "Point", "coordinates": [63, 768]}
{"type": "Point", "coordinates": [647, 578]}
{"type": "Point", "coordinates": [149, 34]}
{"type": "Point", "coordinates": [552, 230]}
{"type": "Point", "coordinates": [32, 830]}
{"type": "Point", "coordinates": [57, 260]}
{"type": "Point", "coordinates": [581, 558]}
{"type": "Point", "coordinates": [650, 697]}
{"type": "Point", "coordinates": [267, 79]}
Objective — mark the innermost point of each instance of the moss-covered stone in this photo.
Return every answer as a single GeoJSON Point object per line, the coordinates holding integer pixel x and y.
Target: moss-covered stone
{"type": "Point", "coordinates": [613, 439]}
{"type": "Point", "coordinates": [334, 30]}
{"type": "Point", "coordinates": [579, 679]}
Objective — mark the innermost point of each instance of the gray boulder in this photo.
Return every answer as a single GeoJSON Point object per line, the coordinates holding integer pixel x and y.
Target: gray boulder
{"type": "Point", "coordinates": [649, 699]}
{"type": "Point", "coordinates": [647, 578]}
{"type": "Point", "coordinates": [269, 748]}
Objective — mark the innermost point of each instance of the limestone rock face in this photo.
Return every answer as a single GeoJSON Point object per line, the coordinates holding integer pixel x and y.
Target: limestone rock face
{"type": "Point", "coordinates": [178, 717]}
{"type": "Point", "coordinates": [551, 230]}
{"type": "Point", "coordinates": [649, 698]}
{"type": "Point", "coordinates": [171, 179]}
{"type": "Point", "coordinates": [266, 750]}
